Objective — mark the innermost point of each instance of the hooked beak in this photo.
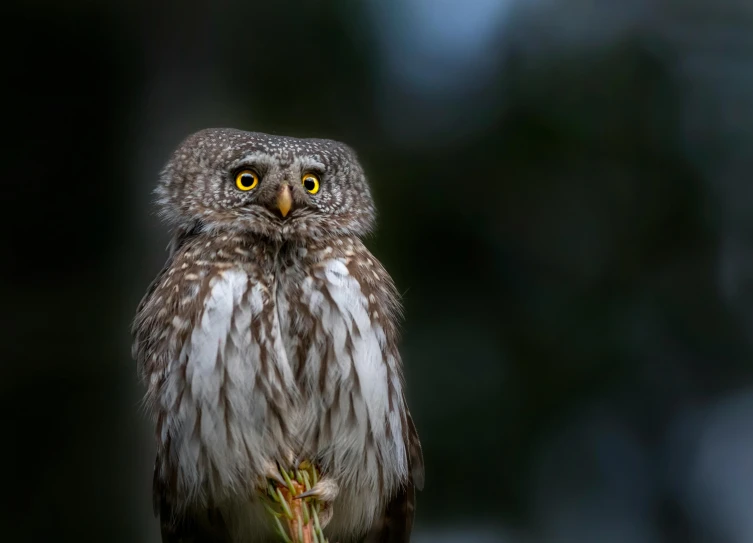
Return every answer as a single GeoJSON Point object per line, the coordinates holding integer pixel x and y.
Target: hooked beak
{"type": "Point", "coordinates": [284, 200]}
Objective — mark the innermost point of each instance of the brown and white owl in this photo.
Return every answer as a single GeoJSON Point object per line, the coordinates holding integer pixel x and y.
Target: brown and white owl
{"type": "Point", "coordinates": [271, 335]}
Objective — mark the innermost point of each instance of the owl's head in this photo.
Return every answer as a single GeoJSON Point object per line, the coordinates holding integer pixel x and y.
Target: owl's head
{"type": "Point", "coordinates": [227, 180]}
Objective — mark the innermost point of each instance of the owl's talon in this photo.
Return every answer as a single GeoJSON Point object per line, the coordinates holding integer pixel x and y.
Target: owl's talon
{"type": "Point", "coordinates": [272, 471]}
{"type": "Point", "coordinates": [306, 494]}
{"type": "Point", "coordinates": [326, 490]}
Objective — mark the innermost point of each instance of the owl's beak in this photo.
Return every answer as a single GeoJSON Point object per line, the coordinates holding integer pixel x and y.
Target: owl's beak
{"type": "Point", "coordinates": [284, 200]}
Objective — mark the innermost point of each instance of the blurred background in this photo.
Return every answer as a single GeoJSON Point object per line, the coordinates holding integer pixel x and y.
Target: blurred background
{"type": "Point", "coordinates": [566, 205]}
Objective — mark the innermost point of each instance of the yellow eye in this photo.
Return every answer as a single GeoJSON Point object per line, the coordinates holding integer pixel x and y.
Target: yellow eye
{"type": "Point", "coordinates": [310, 183]}
{"type": "Point", "coordinates": [246, 180]}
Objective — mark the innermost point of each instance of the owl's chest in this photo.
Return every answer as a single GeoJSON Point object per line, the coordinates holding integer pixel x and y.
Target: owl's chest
{"type": "Point", "coordinates": [325, 326]}
{"type": "Point", "coordinates": [273, 357]}
{"type": "Point", "coordinates": [335, 352]}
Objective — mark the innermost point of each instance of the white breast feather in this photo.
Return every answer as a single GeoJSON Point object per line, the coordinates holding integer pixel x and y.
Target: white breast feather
{"type": "Point", "coordinates": [221, 362]}
{"type": "Point", "coordinates": [356, 466]}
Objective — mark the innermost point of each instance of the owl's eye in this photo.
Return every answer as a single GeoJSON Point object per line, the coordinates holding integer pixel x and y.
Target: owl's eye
{"type": "Point", "coordinates": [310, 183]}
{"type": "Point", "coordinates": [246, 180]}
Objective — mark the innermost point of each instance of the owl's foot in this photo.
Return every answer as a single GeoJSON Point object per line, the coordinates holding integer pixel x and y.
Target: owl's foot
{"type": "Point", "coordinates": [299, 495]}
{"type": "Point", "coordinates": [325, 490]}
{"type": "Point", "coordinates": [324, 493]}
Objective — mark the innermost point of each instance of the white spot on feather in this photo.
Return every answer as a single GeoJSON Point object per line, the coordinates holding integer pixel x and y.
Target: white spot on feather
{"type": "Point", "coordinates": [178, 322]}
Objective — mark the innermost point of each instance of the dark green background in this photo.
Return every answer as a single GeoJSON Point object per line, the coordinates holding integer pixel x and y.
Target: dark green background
{"type": "Point", "coordinates": [566, 212]}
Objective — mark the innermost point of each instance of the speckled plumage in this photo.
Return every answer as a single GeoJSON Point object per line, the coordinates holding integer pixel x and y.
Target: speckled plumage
{"type": "Point", "coordinates": [266, 338]}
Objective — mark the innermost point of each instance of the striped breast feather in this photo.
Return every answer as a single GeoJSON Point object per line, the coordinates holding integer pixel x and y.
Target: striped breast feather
{"type": "Point", "coordinates": [364, 425]}
{"type": "Point", "coordinates": [225, 396]}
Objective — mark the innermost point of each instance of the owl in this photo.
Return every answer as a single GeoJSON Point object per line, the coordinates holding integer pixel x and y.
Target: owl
{"type": "Point", "coordinates": [271, 336]}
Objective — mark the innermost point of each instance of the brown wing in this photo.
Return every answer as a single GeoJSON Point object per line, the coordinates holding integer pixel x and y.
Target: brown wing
{"type": "Point", "coordinates": [415, 453]}
{"type": "Point", "coordinates": [145, 344]}
{"type": "Point", "coordinates": [188, 526]}
{"type": "Point", "coordinates": [396, 524]}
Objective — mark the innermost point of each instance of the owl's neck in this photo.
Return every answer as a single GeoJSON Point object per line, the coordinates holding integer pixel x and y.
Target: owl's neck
{"type": "Point", "coordinates": [238, 245]}
{"type": "Point", "coordinates": [278, 240]}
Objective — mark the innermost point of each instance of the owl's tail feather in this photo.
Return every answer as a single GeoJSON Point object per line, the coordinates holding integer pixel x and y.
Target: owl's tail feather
{"type": "Point", "coordinates": [204, 526]}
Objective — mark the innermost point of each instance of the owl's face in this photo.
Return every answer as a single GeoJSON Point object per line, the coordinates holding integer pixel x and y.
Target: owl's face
{"type": "Point", "coordinates": [284, 188]}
